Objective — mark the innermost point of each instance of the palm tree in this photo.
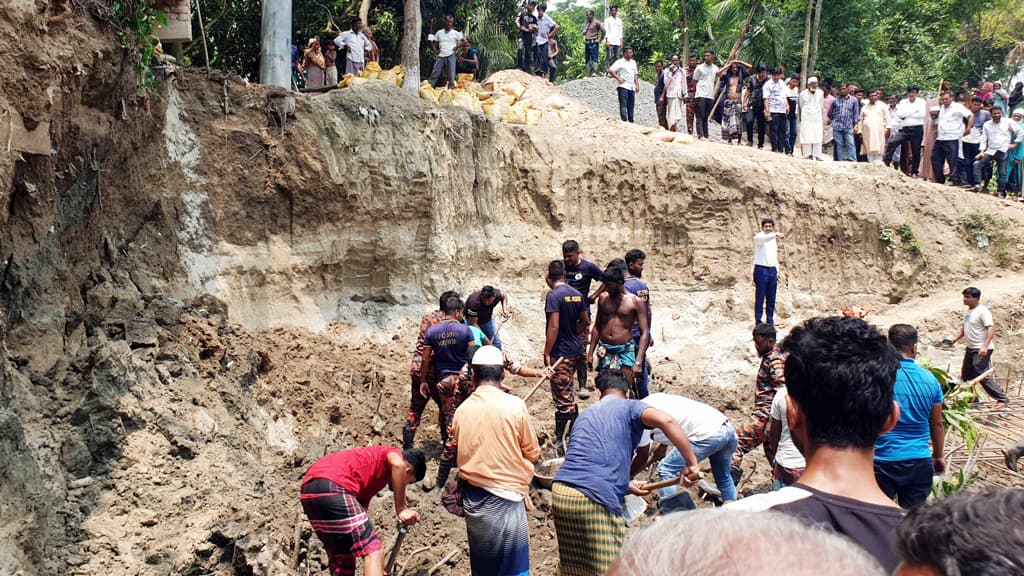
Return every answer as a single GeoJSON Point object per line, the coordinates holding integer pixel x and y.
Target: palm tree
{"type": "Point", "coordinates": [491, 37]}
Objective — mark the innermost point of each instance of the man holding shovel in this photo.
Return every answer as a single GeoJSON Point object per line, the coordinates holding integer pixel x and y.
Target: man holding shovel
{"type": "Point", "coordinates": [336, 491]}
{"type": "Point", "coordinates": [589, 488]}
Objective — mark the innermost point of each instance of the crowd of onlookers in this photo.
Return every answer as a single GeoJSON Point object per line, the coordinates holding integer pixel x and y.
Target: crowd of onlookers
{"type": "Point", "coordinates": [317, 65]}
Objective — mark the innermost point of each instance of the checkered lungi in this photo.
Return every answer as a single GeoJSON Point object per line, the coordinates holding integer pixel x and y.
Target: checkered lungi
{"type": "Point", "coordinates": [341, 523]}
{"type": "Point", "coordinates": [590, 537]}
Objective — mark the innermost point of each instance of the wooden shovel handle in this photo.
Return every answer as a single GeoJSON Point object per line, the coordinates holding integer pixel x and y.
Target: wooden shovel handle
{"type": "Point", "coordinates": [662, 483]}
{"type": "Point", "coordinates": [541, 381]}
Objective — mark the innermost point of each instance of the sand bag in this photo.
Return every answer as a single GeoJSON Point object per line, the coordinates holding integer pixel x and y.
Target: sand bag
{"type": "Point", "coordinates": [463, 80]}
{"type": "Point", "coordinates": [514, 89]}
{"type": "Point", "coordinates": [555, 102]}
{"type": "Point", "coordinates": [428, 93]}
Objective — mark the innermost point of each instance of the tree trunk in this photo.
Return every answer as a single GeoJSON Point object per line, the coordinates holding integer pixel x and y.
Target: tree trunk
{"type": "Point", "coordinates": [686, 32]}
{"type": "Point", "coordinates": [813, 64]}
{"type": "Point", "coordinates": [364, 12]}
{"type": "Point", "coordinates": [804, 72]}
{"type": "Point", "coordinates": [413, 26]}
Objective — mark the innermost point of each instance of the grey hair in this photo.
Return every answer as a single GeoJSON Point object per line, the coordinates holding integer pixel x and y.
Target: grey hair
{"type": "Point", "coordinates": [738, 543]}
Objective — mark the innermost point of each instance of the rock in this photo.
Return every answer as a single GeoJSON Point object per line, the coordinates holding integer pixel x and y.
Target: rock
{"type": "Point", "coordinates": [82, 482]}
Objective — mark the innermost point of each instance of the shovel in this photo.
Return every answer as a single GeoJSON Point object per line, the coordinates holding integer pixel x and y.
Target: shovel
{"type": "Point", "coordinates": [402, 531]}
{"type": "Point", "coordinates": [541, 381]}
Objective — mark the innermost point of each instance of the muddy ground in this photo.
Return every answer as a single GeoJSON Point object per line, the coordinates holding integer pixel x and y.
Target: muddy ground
{"type": "Point", "coordinates": [198, 301]}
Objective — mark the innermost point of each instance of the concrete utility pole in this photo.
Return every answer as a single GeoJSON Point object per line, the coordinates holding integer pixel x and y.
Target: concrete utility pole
{"type": "Point", "coordinates": [276, 43]}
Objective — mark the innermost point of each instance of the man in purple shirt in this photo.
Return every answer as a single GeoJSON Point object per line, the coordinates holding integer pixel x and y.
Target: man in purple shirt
{"type": "Point", "coordinates": [579, 273]}
{"type": "Point", "coordinates": [568, 320]}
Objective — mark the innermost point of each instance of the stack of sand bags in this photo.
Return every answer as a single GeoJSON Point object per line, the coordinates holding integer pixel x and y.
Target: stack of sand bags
{"type": "Point", "coordinates": [510, 103]}
{"type": "Point", "coordinates": [373, 71]}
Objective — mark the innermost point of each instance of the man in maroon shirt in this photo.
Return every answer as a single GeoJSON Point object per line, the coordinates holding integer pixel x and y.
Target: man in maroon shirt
{"type": "Point", "coordinates": [336, 491]}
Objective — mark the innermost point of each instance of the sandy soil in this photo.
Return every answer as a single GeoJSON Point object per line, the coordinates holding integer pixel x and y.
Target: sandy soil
{"type": "Point", "coordinates": [199, 302]}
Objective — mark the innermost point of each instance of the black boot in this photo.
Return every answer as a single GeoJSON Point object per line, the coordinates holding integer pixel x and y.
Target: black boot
{"type": "Point", "coordinates": [572, 422]}
{"type": "Point", "coordinates": [408, 436]}
{"type": "Point", "coordinates": [561, 420]}
{"type": "Point", "coordinates": [442, 474]}
{"type": "Point", "coordinates": [1012, 454]}
{"type": "Point", "coordinates": [581, 376]}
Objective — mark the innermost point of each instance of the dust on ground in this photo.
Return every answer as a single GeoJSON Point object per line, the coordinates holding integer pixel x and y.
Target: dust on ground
{"type": "Point", "coordinates": [200, 300]}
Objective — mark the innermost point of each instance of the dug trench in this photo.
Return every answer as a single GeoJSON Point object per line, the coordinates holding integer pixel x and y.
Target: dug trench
{"type": "Point", "coordinates": [199, 301]}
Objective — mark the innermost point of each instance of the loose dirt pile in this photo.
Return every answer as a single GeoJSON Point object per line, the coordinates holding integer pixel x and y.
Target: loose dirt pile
{"type": "Point", "coordinates": [199, 300]}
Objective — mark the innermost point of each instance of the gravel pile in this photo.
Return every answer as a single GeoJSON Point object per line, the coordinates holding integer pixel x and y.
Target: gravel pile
{"type": "Point", "coordinates": [599, 94]}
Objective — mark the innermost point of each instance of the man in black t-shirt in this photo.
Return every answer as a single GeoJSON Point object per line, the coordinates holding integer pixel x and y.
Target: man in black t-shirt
{"type": "Point", "coordinates": [754, 100]}
{"type": "Point", "coordinates": [840, 376]}
{"type": "Point", "coordinates": [579, 273]}
{"type": "Point", "coordinates": [480, 311]}
{"type": "Point", "coordinates": [526, 23]}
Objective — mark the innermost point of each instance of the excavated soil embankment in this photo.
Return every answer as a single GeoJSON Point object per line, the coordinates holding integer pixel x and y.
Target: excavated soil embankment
{"type": "Point", "coordinates": [198, 302]}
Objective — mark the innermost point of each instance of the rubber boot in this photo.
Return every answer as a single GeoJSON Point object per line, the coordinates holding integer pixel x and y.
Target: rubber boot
{"type": "Point", "coordinates": [442, 475]}
{"type": "Point", "coordinates": [581, 376]}
{"type": "Point", "coordinates": [561, 421]}
{"type": "Point", "coordinates": [1012, 454]}
{"type": "Point", "coordinates": [572, 422]}
{"type": "Point", "coordinates": [408, 437]}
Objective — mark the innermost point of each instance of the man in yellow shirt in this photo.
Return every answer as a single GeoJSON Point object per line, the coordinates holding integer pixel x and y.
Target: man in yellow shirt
{"type": "Point", "coordinates": [497, 448]}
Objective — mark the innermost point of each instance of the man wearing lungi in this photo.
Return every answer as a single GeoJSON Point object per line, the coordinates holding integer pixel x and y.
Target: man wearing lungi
{"type": "Point", "coordinates": [497, 448]}
{"type": "Point", "coordinates": [336, 492]}
{"type": "Point", "coordinates": [589, 488]}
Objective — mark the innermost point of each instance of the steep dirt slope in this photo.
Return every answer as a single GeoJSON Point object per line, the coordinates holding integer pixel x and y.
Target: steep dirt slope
{"type": "Point", "coordinates": [147, 427]}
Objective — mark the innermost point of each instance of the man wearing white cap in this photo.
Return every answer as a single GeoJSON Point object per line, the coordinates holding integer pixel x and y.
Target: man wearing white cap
{"type": "Point", "coordinates": [1016, 160]}
{"type": "Point", "coordinates": [497, 447]}
{"type": "Point", "coordinates": [812, 130]}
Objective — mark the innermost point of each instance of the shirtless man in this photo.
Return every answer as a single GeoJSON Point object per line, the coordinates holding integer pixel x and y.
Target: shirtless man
{"type": "Point", "coordinates": [612, 337]}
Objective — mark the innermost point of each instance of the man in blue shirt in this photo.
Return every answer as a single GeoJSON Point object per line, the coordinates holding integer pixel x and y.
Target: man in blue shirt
{"type": "Point", "coordinates": [589, 488]}
{"type": "Point", "coordinates": [843, 115]}
{"type": "Point", "coordinates": [579, 273]}
{"type": "Point", "coordinates": [568, 319]}
{"type": "Point", "coordinates": [904, 463]}
{"type": "Point", "coordinates": [446, 348]}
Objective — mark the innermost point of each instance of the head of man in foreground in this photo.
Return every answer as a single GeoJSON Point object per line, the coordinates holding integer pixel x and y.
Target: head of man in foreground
{"type": "Point", "coordinates": [734, 543]}
{"type": "Point", "coordinates": [965, 534]}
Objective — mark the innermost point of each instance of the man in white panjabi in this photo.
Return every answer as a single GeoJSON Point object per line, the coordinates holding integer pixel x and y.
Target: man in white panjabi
{"type": "Point", "coordinates": [811, 130]}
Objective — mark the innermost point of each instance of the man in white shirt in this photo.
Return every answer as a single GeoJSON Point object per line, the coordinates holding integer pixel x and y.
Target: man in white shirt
{"type": "Point", "coordinates": [612, 37]}
{"type": "Point", "coordinates": [910, 112]}
{"type": "Point", "coordinates": [776, 107]}
{"type": "Point", "coordinates": [979, 331]}
{"type": "Point", "coordinates": [446, 41]}
{"type": "Point", "coordinates": [711, 437]}
{"type": "Point", "coordinates": [766, 270]}
{"type": "Point", "coordinates": [675, 92]}
{"type": "Point", "coordinates": [625, 73]}
{"type": "Point", "coordinates": [812, 129]}
{"type": "Point", "coordinates": [705, 76]}
{"type": "Point", "coordinates": [788, 462]}
{"type": "Point", "coordinates": [546, 29]}
{"type": "Point", "coordinates": [952, 123]}
{"type": "Point", "coordinates": [972, 142]}
{"type": "Point", "coordinates": [995, 143]}
{"type": "Point", "coordinates": [356, 46]}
